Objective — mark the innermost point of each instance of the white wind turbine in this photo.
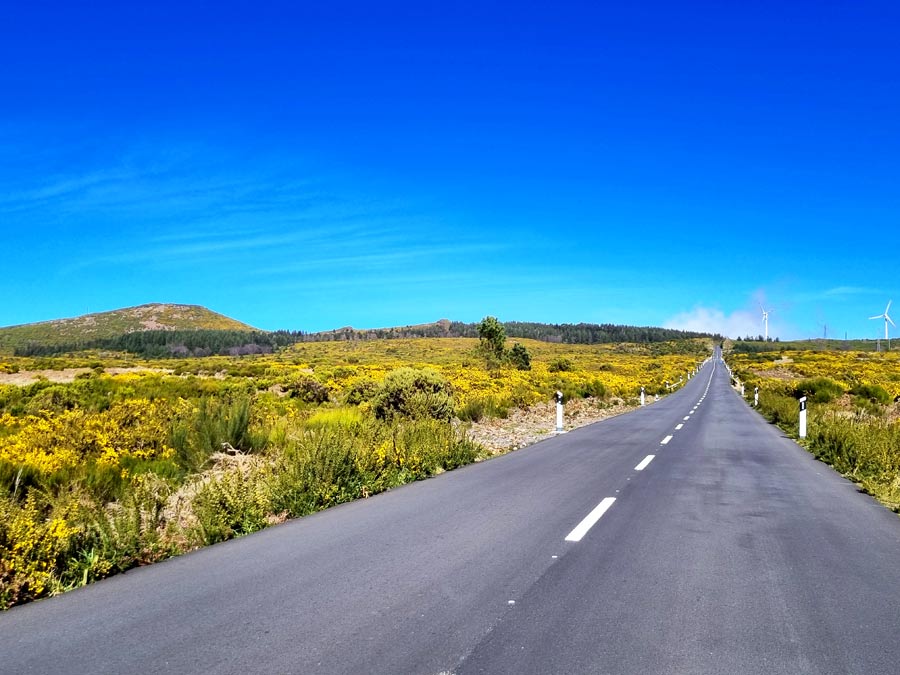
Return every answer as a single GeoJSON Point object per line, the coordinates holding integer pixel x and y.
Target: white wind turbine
{"type": "Point", "coordinates": [765, 314]}
{"type": "Point", "coordinates": [886, 318]}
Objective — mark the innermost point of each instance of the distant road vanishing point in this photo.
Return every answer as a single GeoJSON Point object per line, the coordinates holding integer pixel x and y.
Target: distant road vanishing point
{"type": "Point", "coordinates": [689, 536]}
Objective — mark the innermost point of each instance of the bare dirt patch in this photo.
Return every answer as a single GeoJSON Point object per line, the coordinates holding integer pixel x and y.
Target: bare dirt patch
{"type": "Point", "coordinates": [525, 426]}
{"type": "Point", "coordinates": [778, 374]}
{"type": "Point", "coordinates": [25, 377]}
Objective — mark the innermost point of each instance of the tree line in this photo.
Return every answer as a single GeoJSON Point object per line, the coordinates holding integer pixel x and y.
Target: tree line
{"type": "Point", "coordinates": [206, 342]}
{"type": "Point", "coordinates": [174, 343]}
{"type": "Point", "coordinates": [580, 333]}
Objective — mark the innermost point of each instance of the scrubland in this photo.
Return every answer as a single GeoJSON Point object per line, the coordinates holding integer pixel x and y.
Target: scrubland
{"type": "Point", "coordinates": [132, 461]}
{"type": "Point", "coordinates": [853, 414]}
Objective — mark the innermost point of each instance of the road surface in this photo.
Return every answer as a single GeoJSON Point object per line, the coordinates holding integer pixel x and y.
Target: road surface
{"type": "Point", "coordinates": [688, 536]}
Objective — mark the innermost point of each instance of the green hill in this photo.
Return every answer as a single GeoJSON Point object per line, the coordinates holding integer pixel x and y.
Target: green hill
{"type": "Point", "coordinates": [106, 325]}
{"type": "Point", "coordinates": [814, 344]}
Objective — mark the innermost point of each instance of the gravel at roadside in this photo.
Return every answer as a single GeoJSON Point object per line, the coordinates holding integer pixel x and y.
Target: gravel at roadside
{"type": "Point", "coordinates": [525, 426]}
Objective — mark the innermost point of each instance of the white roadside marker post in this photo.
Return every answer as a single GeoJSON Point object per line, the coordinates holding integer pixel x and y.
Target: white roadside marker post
{"type": "Point", "coordinates": [803, 417]}
{"type": "Point", "coordinates": [756, 397]}
{"type": "Point", "coordinates": [559, 412]}
{"type": "Point", "coordinates": [642, 396]}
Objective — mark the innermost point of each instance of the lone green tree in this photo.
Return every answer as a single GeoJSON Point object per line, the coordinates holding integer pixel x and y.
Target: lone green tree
{"type": "Point", "coordinates": [492, 335]}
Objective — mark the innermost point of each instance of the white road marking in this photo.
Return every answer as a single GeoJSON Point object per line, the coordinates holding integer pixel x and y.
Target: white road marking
{"type": "Point", "coordinates": [666, 440]}
{"type": "Point", "coordinates": [687, 417]}
{"type": "Point", "coordinates": [644, 463]}
{"type": "Point", "coordinates": [590, 519]}
{"type": "Point", "coordinates": [678, 427]}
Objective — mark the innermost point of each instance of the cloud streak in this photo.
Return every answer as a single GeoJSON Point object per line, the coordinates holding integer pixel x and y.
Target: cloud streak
{"type": "Point", "coordinates": [711, 320]}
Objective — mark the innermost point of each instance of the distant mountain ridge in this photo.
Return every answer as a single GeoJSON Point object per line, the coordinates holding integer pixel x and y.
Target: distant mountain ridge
{"type": "Point", "coordinates": [161, 330]}
{"type": "Point", "coordinates": [115, 323]}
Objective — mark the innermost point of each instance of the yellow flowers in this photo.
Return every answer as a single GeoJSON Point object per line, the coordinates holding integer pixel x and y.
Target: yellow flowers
{"type": "Point", "coordinates": [30, 550]}
{"type": "Point", "coordinates": [847, 368]}
{"type": "Point", "coordinates": [620, 371]}
{"type": "Point", "coordinates": [136, 428]}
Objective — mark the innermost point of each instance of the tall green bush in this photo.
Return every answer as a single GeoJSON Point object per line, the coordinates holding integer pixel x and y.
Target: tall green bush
{"type": "Point", "coordinates": [819, 389]}
{"type": "Point", "coordinates": [414, 393]}
{"type": "Point", "coordinates": [519, 357]}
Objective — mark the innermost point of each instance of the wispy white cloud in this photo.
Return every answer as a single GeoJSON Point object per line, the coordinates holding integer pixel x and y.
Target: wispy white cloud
{"type": "Point", "coordinates": [844, 291]}
{"type": "Point", "coordinates": [401, 255]}
{"type": "Point", "coordinates": [61, 188]}
{"type": "Point", "coordinates": [711, 320]}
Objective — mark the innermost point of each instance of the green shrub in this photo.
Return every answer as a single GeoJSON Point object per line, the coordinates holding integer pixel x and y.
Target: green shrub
{"type": "Point", "coordinates": [819, 389]}
{"type": "Point", "coordinates": [523, 396]}
{"type": "Point", "coordinates": [560, 365]}
{"type": "Point", "coordinates": [594, 389]}
{"type": "Point", "coordinates": [519, 357]}
{"type": "Point", "coordinates": [432, 446]}
{"type": "Point", "coordinates": [860, 449]}
{"type": "Point", "coordinates": [348, 418]}
{"type": "Point", "coordinates": [52, 399]}
{"type": "Point", "coordinates": [308, 389]}
{"type": "Point", "coordinates": [477, 409]}
{"type": "Point", "coordinates": [232, 504]}
{"type": "Point", "coordinates": [781, 409]}
{"type": "Point", "coordinates": [364, 389]}
{"type": "Point", "coordinates": [408, 392]}
{"type": "Point", "coordinates": [872, 392]}
{"type": "Point", "coordinates": [217, 422]}
{"type": "Point", "coordinates": [472, 411]}
{"type": "Point", "coordinates": [321, 469]}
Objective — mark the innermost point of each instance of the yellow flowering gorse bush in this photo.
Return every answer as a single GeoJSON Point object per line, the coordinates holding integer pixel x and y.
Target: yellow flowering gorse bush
{"type": "Point", "coordinates": [137, 428]}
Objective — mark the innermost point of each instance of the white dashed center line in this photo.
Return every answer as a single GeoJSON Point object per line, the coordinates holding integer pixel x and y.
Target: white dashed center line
{"type": "Point", "coordinates": [590, 519]}
{"type": "Point", "coordinates": [678, 428]}
{"type": "Point", "coordinates": [687, 417]}
{"type": "Point", "coordinates": [644, 463]}
{"type": "Point", "coordinates": [666, 440]}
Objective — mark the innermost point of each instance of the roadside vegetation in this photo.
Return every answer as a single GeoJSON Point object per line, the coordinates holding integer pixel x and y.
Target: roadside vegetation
{"type": "Point", "coordinates": [112, 469]}
{"type": "Point", "coordinates": [853, 413]}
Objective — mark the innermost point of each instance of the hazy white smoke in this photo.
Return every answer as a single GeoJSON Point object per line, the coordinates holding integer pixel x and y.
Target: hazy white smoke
{"type": "Point", "coordinates": [707, 320]}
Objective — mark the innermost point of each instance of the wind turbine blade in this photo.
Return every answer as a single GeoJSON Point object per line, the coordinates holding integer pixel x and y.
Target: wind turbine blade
{"type": "Point", "coordinates": [888, 308]}
{"type": "Point", "coordinates": [891, 320]}
{"type": "Point", "coordinates": [880, 316]}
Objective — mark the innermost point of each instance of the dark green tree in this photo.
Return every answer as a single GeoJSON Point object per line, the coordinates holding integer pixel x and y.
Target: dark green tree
{"type": "Point", "coordinates": [493, 338]}
{"type": "Point", "coordinates": [519, 357]}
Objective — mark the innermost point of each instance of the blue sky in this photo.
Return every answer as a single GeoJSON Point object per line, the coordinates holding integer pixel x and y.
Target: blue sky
{"type": "Point", "coordinates": [315, 165]}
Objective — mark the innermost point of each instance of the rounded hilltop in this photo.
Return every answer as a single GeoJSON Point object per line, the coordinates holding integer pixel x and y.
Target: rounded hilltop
{"type": "Point", "coordinates": [100, 325]}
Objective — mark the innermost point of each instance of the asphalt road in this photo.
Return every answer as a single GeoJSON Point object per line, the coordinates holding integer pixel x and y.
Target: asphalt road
{"type": "Point", "coordinates": [730, 551]}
